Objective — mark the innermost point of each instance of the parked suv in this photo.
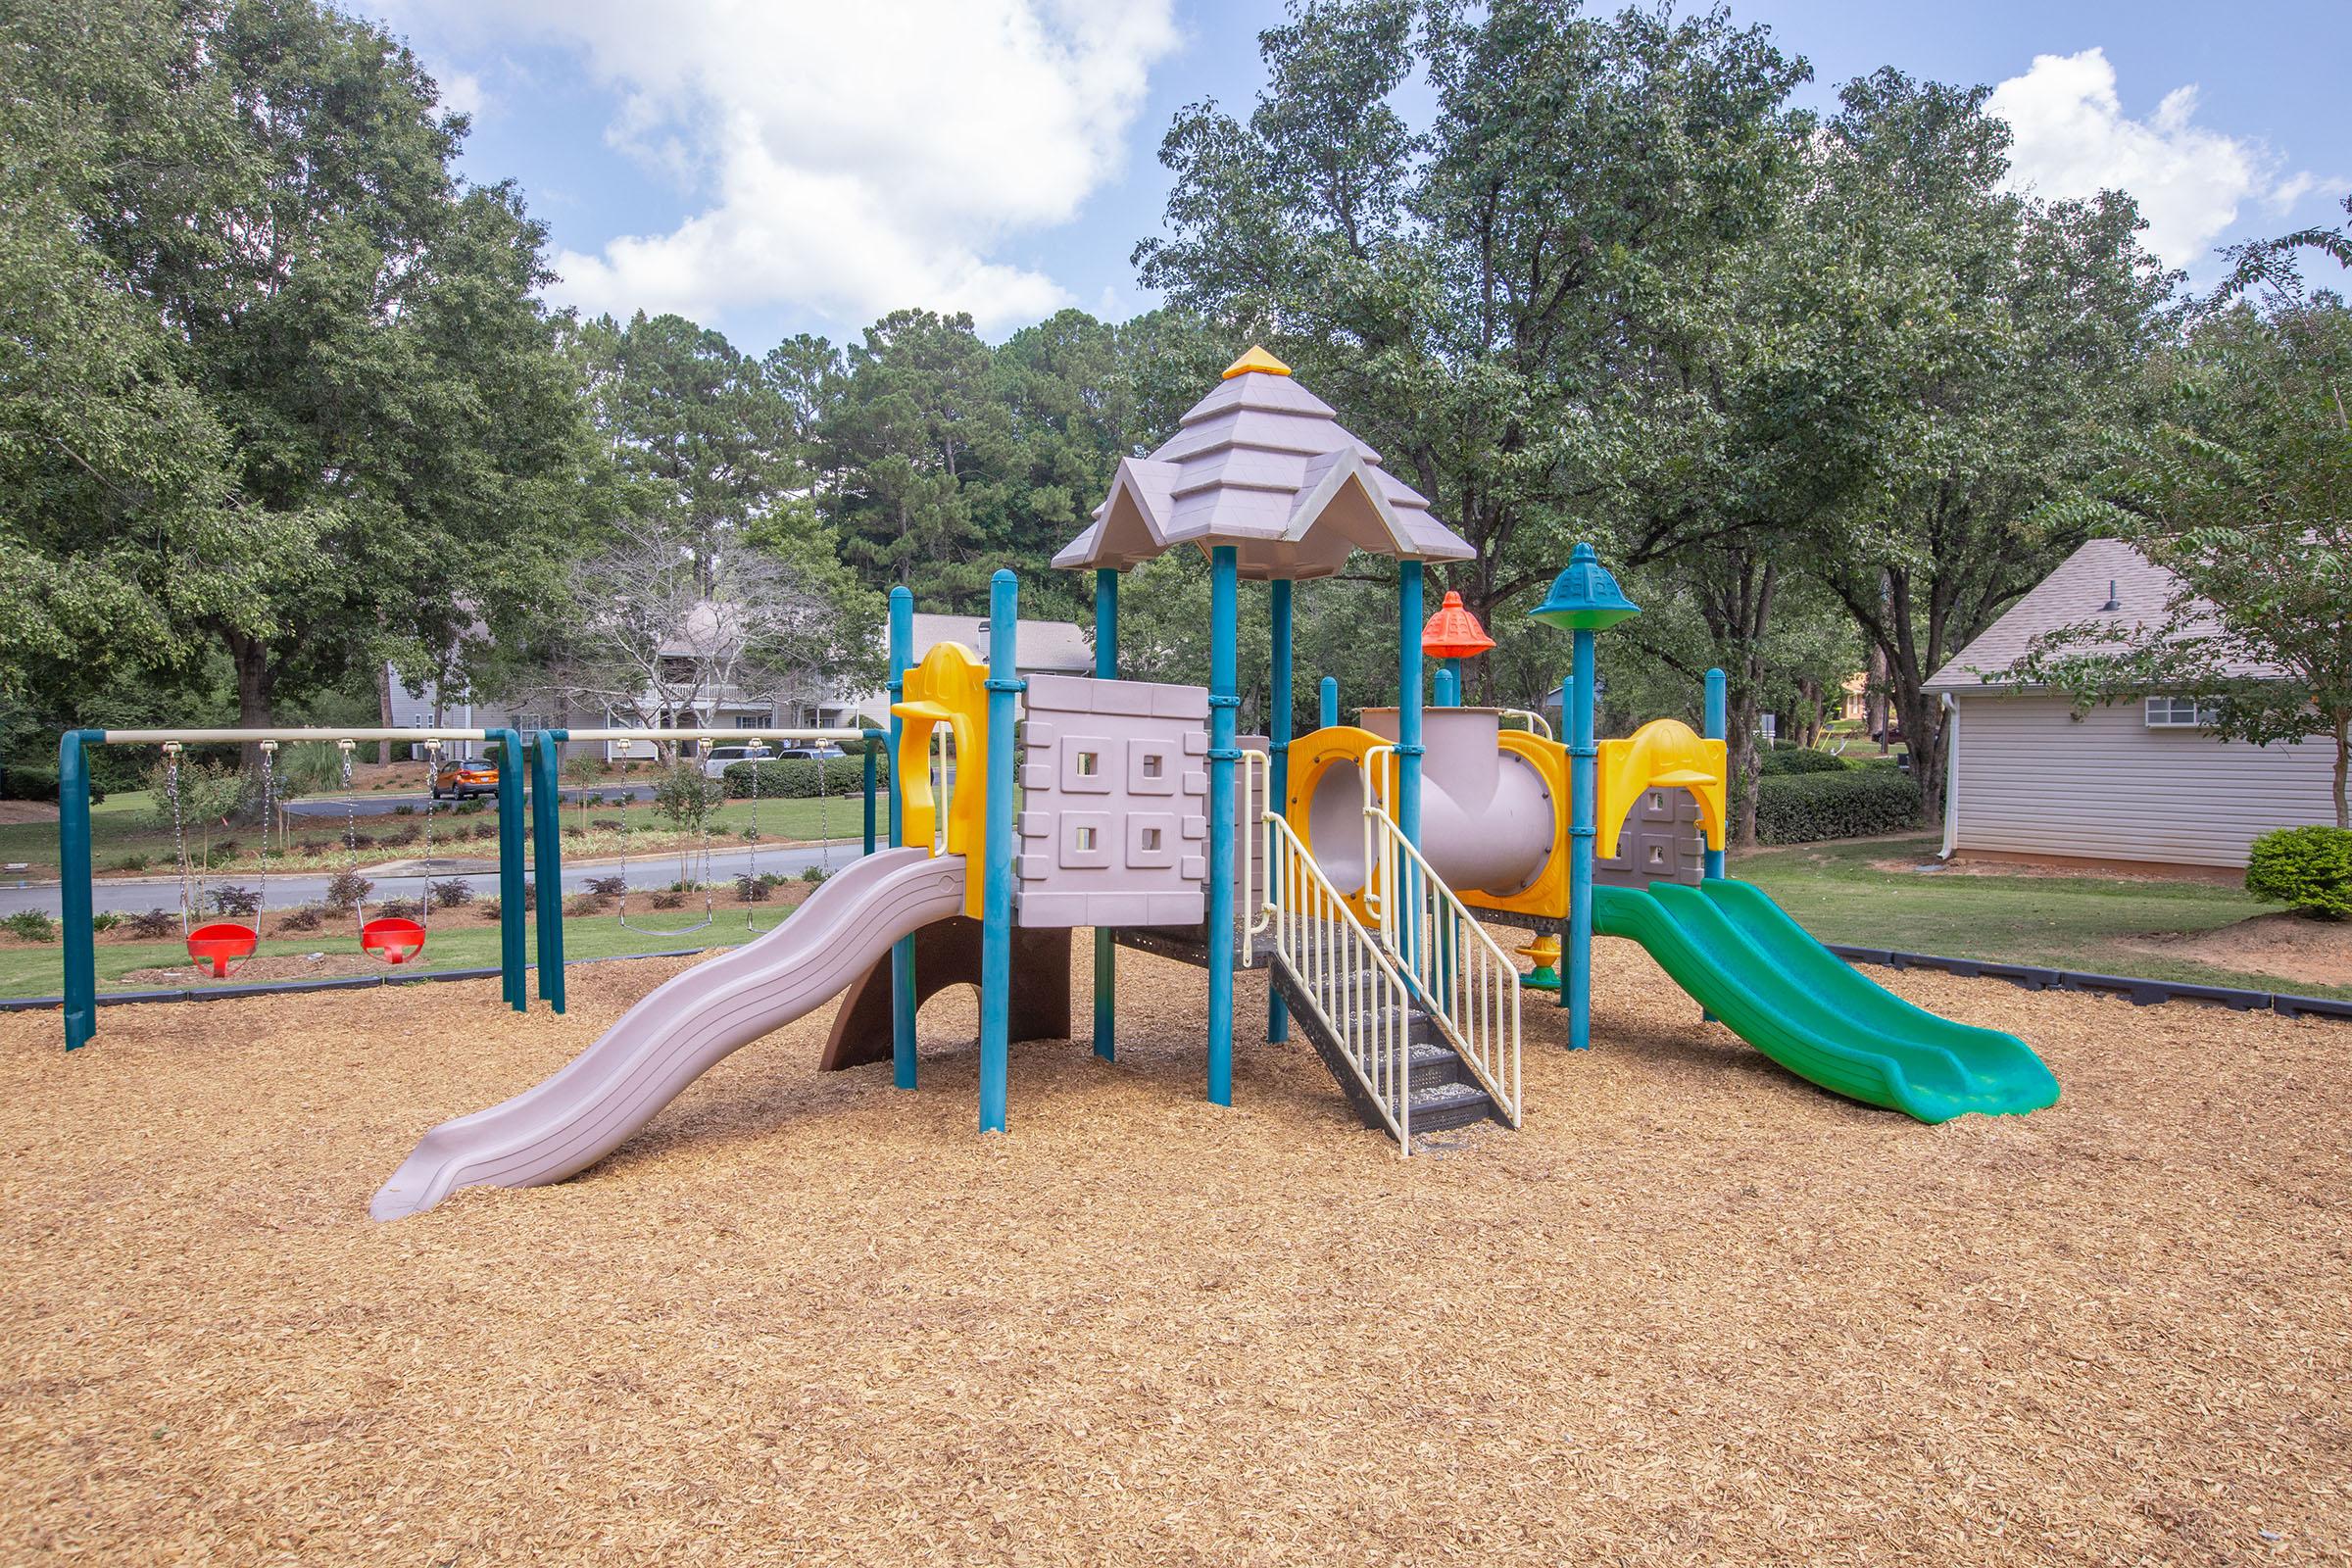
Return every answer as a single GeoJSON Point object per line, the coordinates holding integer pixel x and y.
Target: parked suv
{"type": "Point", "coordinates": [458, 777]}
{"type": "Point", "coordinates": [716, 760]}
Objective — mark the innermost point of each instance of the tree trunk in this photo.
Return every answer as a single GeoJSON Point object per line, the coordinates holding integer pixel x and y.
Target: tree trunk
{"type": "Point", "coordinates": [1923, 733]}
{"type": "Point", "coordinates": [256, 686]}
{"type": "Point", "coordinates": [384, 706]}
{"type": "Point", "coordinates": [2343, 770]}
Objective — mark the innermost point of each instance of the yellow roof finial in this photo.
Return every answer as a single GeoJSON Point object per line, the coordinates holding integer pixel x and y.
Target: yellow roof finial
{"type": "Point", "coordinates": [1257, 359]}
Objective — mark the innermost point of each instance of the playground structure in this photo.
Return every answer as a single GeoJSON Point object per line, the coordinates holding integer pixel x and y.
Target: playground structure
{"type": "Point", "coordinates": [1353, 863]}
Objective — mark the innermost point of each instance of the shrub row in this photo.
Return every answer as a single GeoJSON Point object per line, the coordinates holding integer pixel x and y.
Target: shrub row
{"type": "Point", "coordinates": [796, 779]}
{"type": "Point", "coordinates": [34, 781]}
{"type": "Point", "coordinates": [2307, 868]}
{"type": "Point", "coordinates": [1784, 760]}
{"type": "Point", "coordinates": [1851, 803]}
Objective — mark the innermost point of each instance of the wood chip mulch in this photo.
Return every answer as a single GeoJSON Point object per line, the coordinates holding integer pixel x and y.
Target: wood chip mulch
{"type": "Point", "coordinates": [1695, 1313]}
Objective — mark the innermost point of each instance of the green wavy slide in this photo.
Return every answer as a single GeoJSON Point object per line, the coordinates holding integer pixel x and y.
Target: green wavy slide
{"type": "Point", "coordinates": [1750, 966]}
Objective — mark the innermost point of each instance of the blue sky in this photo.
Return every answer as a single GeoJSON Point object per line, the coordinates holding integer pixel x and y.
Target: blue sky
{"type": "Point", "coordinates": [774, 168]}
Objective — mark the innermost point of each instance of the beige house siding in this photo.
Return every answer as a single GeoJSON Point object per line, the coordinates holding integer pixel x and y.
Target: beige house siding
{"type": "Point", "coordinates": [2033, 780]}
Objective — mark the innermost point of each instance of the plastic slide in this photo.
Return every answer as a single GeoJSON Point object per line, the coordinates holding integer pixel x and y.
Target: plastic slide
{"type": "Point", "coordinates": [679, 1031]}
{"type": "Point", "coordinates": [1750, 966]}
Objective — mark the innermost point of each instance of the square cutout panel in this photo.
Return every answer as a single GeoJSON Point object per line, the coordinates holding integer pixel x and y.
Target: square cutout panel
{"type": "Point", "coordinates": [1151, 840]}
{"type": "Point", "coordinates": [1091, 765]}
{"type": "Point", "coordinates": [1155, 767]}
{"type": "Point", "coordinates": [1085, 841]}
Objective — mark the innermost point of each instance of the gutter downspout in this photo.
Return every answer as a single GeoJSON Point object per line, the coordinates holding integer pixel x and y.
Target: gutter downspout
{"type": "Point", "coordinates": [1951, 775]}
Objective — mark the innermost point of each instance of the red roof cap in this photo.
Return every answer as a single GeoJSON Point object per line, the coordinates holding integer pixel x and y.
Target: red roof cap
{"type": "Point", "coordinates": [1453, 632]}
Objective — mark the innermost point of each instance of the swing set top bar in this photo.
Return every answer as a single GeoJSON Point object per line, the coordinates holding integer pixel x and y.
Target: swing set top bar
{"type": "Point", "coordinates": [729, 735]}
{"type": "Point", "coordinates": [206, 737]}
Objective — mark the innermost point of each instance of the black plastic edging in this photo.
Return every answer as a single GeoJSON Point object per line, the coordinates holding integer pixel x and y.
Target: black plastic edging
{"type": "Point", "coordinates": [2143, 993]}
{"type": "Point", "coordinates": [360, 981]}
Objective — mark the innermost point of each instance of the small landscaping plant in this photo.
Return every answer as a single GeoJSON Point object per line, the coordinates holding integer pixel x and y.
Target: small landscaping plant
{"type": "Point", "coordinates": [450, 895]}
{"type": "Point", "coordinates": [668, 899]}
{"type": "Point", "coordinates": [399, 910]}
{"type": "Point", "coordinates": [2309, 869]}
{"type": "Point", "coordinates": [31, 925]}
{"type": "Point", "coordinates": [105, 920]}
{"type": "Point", "coordinates": [231, 900]}
{"type": "Point", "coordinates": [308, 917]}
{"type": "Point", "coordinates": [608, 886]}
{"type": "Point", "coordinates": [154, 923]}
{"type": "Point", "coordinates": [1787, 760]}
{"type": "Point", "coordinates": [347, 890]}
{"type": "Point", "coordinates": [754, 889]}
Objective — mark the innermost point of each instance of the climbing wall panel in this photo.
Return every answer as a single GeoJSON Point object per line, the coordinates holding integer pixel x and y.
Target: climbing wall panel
{"type": "Point", "coordinates": [1113, 819]}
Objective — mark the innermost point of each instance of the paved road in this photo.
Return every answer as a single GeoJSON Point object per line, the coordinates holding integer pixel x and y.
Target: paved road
{"type": "Point", "coordinates": [372, 804]}
{"type": "Point", "coordinates": [129, 896]}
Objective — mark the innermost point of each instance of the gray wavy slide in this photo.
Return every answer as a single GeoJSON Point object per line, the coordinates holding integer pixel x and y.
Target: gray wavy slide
{"type": "Point", "coordinates": [678, 1032]}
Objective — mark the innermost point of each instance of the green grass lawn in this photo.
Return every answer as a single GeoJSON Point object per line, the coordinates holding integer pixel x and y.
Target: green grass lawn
{"type": "Point", "coordinates": [465, 941]}
{"type": "Point", "coordinates": [2067, 923]}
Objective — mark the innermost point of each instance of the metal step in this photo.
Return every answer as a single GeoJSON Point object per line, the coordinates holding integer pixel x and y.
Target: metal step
{"type": "Point", "coordinates": [1441, 1091]}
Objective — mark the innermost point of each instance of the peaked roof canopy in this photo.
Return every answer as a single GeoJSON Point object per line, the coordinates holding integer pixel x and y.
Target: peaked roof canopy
{"type": "Point", "coordinates": [1261, 464]}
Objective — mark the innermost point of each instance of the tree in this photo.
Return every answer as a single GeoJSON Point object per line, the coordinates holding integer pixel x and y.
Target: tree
{"type": "Point", "coordinates": [1999, 339]}
{"type": "Point", "coordinates": [2242, 490]}
{"type": "Point", "coordinates": [1465, 297]}
{"type": "Point", "coordinates": [362, 431]}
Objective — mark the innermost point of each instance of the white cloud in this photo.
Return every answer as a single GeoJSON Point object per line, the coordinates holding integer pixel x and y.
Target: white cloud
{"type": "Point", "coordinates": [851, 157]}
{"type": "Point", "coordinates": [2075, 140]}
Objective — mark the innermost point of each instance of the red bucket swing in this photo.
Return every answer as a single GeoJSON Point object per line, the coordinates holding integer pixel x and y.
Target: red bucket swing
{"type": "Point", "coordinates": [393, 938]}
{"type": "Point", "coordinates": [217, 947]}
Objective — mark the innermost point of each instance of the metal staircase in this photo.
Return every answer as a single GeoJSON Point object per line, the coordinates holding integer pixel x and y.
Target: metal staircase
{"type": "Point", "coordinates": [1417, 1019]}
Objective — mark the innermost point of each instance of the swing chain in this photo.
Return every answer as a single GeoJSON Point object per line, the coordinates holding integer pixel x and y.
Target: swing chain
{"type": "Point", "coordinates": [351, 834]}
{"type": "Point", "coordinates": [432, 774]}
{"type": "Point", "coordinates": [179, 831]}
{"type": "Point", "coordinates": [260, 910]}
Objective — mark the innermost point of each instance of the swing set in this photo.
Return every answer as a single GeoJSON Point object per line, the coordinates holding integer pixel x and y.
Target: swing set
{"type": "Point", "coordinates": [220, 947]}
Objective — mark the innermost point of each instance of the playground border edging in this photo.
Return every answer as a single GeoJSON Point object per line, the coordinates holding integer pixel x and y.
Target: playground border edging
{"type": "Point", "coordinates": [2142, 993]}
{"type": "Point", "coordinates": [279, 988]}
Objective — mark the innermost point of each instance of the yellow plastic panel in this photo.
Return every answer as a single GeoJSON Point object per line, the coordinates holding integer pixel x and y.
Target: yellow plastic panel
{"type": "Point", "coordinates": [1548, 894]}
{"type": "Point", "coordinates": [1663, 752]}
{"type": "Point", "coordinates": [949, 687]}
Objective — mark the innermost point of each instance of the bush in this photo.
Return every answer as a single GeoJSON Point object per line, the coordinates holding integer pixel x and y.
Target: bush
{"type": "Point", "coordinates": [574, 830]}
{"type": "Point", "coordinates": [586, 903]}
{"type": "Point", "coordinates": [1853, 804]}
{"type": "Point", "coordinates": [754, 889]}
{"type": "Point", "coordinates": [795, 778]}
{"type": "Point", "coordinates": [31, 925]}
{"type": "Point", "coordinates": [450, 895]}
{"type": "Point", "coordinates": [308, 917]}
{"type": "Point", "coordinates": [815, 873]}
{"type": "Point", "coordinates": [608, 886]}
{"type": "Point", "coordinates": [105, 920]}
{"type": "Point", "coordinates": [489, 910]}
{"type": "Point", "coordinates": [1791, 759]}
{"type": "Point", "coordinates": [608, 824]}
{"type": "Point", "coordinates": [347, 890]}
{"type": "Point", "coordinates": [669, 898]}
{"type": "Point", "coordinates": [154, 923]}
{"type": "Point", "coordinates": [36, 782]}
{"type": "Point", "coordinates": [401, 837]}
{"type": "Point", "coordinates": [231, 900]}
{"type": "Point", "coordinates": [404, 811]}
{"type": "Point", "coordinates": [130, 863]}
{"type": "Point", "coordinates": [2309, 869]}
{"type": "Point", "coordinates": [399, 910]}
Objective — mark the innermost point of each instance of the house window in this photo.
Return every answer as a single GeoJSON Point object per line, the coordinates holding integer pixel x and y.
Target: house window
{"type": "Point", "coordinates": [753, 722]}
{"type": "Point", "coordinates": [2182, 712]}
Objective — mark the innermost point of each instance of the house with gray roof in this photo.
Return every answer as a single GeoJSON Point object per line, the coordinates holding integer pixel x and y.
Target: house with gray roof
{"type": "Point", "coordinates": [2141, 783]}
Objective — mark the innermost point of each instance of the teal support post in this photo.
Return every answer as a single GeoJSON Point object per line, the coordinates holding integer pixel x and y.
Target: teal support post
{"type": "Point", "coordinates": [547, 857]}
{"type": "Point", "coordinates": [1408, 742]}
{"type": "Point", "coordinates": [1584, 782]}
{"type": "Point", "coordinates": [1448, 685]}
{"type": "Point", "coordinates": [73, 872]}
{"type": "Point", "coordinates": [1106, 947]}
{"type": "Point", "coordinates": [1408, 702]}
{"type": "Point", "coordinates": [996, 884]}
{"type": "Point", "coordinates": [872, 737]}
{"type": "Point", "coordinates": [1327, 704]}
{"type": "Point", "coordinates": [902, 952]}
{"type": "Point", "coordinates": [1583, 599]}
{"type": "Point", "coordinates": [1278, 769]}
{"type": "Point", "coordinates": [1224, 637]}
{"type": "Point", "coordinates": [1718, 726]}
{"type": "Point", "coordinates": [513, 953]}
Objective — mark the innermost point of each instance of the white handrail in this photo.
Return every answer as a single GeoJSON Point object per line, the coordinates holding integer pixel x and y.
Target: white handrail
{"type": "Point", "coordinates": [1463, 977]}
{"type": "Point", "coordinates": [1358, 998]}
{"type": "Point", "coordinates": [1534, 721]}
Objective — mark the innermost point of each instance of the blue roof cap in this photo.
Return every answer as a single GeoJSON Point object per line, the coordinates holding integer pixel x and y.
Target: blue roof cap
{"type": "Point", "coordinates": [1584, 597]}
